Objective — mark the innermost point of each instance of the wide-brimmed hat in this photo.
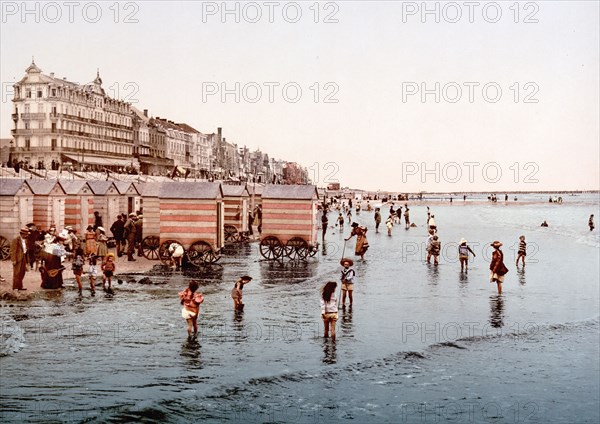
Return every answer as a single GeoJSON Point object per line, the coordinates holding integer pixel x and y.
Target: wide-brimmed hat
{"type": "Point", "coordinates": [63, 235]}
{"type": "Point", "coordinates": [246, 277]}
{"type": "Point", "coordinates": [101, 229]}
{"type": "Point", "coordinates": [69, 228]}
{"type": "Point", "coordinates": [462, 240]}
{"type": "Point", "coordinates": [24, 230]}
{"type": "Point", "coordinates": [496, 244]}
{"type": "Point", "coordinates": [344, 260]}
{"type": "Point", "coordinates": [110, 254]}
{"type": "Point", "coordinates": [131, 215]}
{"type": "Point", "coordinates": [354, 224]}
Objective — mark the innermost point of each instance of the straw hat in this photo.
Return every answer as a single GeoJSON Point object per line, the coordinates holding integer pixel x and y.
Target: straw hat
{"type": "Point", "coordinates": [110, 254]}
{"type": "Point", "coordinates": [343, 260]}
{"type": "Point", "coordinates": [462, 241]}
{"type": "Point", "coordinates": [101, 229]}
{"type": "Point", "coordinates": [496, 244]}
{"type": "Point", "coordinates": [63, 235]}
{"type": "Point", "coordinates": [24, 231]}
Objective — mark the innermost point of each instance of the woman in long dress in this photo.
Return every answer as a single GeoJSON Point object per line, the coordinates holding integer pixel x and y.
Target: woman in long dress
{"type": "Point", "coordinates": [52, 269]}
{"type": "Point", "coordinates": [362, 244]}
{"type": "Point", "coordinates": [91, 246]}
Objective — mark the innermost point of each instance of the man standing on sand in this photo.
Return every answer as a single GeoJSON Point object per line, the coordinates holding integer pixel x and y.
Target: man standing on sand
{"type": "Point", "coordinates": [18, 256]}
{"type": "Point", "coordinates": [117, 229]}
{"type": "Point", "coordinates": [130, 231]}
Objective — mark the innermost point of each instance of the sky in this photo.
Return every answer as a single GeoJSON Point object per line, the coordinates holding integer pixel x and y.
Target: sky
{"type": "Point", "coordinates": [396, 96]}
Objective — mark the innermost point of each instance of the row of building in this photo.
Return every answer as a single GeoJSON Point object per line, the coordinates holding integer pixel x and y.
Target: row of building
{"type": "Point", "coordinates": [80, 127]}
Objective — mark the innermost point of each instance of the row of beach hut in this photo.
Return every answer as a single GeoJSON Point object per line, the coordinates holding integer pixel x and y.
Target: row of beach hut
{"type": "Point", "coordinates": [201, 216]}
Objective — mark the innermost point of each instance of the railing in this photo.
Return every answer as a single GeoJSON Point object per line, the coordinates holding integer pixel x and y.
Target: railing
{"type": "Point", "coordinates": [33, 116]}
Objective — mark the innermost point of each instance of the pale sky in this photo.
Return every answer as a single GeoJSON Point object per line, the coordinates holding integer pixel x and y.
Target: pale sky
{"type": "Point", "coordinates": [178, 56]}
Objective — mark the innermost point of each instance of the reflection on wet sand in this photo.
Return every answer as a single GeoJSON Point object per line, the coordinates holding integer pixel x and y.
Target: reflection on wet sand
{"type": "Point", "coordinates": [521, 276]}
{"type": "Point", "coordinates": [497, 311]}
{"type": "Point", "coordinates": [190, 352]}
{"type": "Point", "coordinates": [346, 322]}
{"type": "Point", "coordinates": [329, 351]}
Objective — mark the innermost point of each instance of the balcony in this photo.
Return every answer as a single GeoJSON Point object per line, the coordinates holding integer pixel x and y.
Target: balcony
{"type": "Point", "coordinates": [28, 116]}
{"type": "Point", "coordinates": [15, 116]}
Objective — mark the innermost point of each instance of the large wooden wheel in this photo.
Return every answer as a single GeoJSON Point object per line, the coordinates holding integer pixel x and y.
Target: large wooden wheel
{"type": "Point", "coordinates": [163, 251]}
{"type": "Point", "coordinates": [4, 248]}
{"type": "Point", "coordinates": [200, 253]}
{"type": "Point", "coordinates": [296, 248]}
{"type": "Point", "coordinates": [150, 247]}
{"type": "Point", "coordinates": [231, 234]}
{"type": "Point", "coordinates": [271, 248]}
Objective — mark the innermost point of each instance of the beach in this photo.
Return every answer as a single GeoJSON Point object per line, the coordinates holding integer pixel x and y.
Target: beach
{"type": "Point", "coordinates": [421, 343]}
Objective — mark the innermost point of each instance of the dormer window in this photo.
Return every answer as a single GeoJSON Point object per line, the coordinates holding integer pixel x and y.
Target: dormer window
{"type": "Point", "coordinates": [28, 93]}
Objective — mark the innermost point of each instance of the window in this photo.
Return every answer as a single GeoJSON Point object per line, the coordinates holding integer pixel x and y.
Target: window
{"type": "Point", "coordinates": [39, 94]}
{"type": "Point", "coordinates": [53, 143]}
{"type": "Point", "coordinates": [26, 125]}
{"type": "Point", "coordinates": [54, 92]}
{"type": "Point", "coordinates": [28, 93]}
{"type": "Point", "coordinates": [27, 143]}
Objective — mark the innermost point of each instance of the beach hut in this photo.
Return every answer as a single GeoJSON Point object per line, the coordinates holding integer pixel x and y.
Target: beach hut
{"type": "Point", "coordinates": [79, 204]}
{"type": "Point", "coordinates": [151, 218]}
{"type": "Point", "coordinates": [130, 199]}
{"type": "Point", "coordinates": [289, 224]}
{"type": "Point", "coordinates": [106, 199]}
{"type": "Point", "coordinates": [48, 203]}
{"type": "Point", "coordinates": [16, 211]}
{"type": "Point", "coordinates": [188, 213]}
{"type": "Point", "coordinates": [236, 199]}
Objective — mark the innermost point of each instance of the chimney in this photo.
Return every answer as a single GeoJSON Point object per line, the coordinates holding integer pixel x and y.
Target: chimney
{"type": "Point", "coordinates": [146, 113]}
{"type": "Point", "coordinates": [51, 74]}
{"type": "Point", "coordinates": [219, 131]}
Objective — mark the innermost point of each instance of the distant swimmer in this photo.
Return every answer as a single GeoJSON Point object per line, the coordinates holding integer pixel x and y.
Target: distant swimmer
{"type": "Point", "coordinates": [591, 222]}
{"type": "Point", "coordinates": [544, 224]}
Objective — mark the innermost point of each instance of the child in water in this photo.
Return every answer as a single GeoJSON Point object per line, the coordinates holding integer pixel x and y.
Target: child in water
{"type": "Point", "coordinates": [108, 267]}
{"type": "Point", "coordinates": [236, 292]}
{"type": "Point", "coordinates": [77, 268]}
{"type": "Point", "coordinates": [191, 306]}
{"type": "Point", "coordinates": [522, 251]}
{"type": "Point", "coordinates": [329, 308]}
{"type": "Point", "coordinates": [92, 274]}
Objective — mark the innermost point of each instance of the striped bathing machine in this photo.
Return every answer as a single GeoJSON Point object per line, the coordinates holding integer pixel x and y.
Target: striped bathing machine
{"type": "Point", "coordinates": [236, 199]}
{"type": "Point", "coordinates": [16, 211]}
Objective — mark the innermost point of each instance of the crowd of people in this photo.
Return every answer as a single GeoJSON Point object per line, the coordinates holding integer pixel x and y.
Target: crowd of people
{"type": "Point", "coordinates": [49, 251]}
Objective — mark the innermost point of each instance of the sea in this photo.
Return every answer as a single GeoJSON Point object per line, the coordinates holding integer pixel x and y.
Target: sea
{"type": "Point", "coordinates": [421, 343]}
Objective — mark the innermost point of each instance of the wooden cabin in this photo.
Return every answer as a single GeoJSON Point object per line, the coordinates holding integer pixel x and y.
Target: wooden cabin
{"type": "Point", "coordinates": [130, 199]}
{"type": "Point", "coordinates": [190, 212]}
{"type": "Point", "coordinates": [79, 204]}
{"type": "Point", "coordinates": [236, 199]}
{"type": "Point", "coordinates": [16, 209]}
{"type": "Point", "coordinates": [106, 200]}
{"type": "Point", "coordinates": [290, 211]}
{"type": "Point", "coordinates": [48, 203]}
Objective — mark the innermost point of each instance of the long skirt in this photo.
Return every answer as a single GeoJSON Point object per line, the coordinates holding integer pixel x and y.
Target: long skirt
{"type": "Point", "coordinates": [52, 272]}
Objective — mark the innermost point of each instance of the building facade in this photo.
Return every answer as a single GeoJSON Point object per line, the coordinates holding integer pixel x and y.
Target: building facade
{"type": "Point", "coordinates": [65, 122]}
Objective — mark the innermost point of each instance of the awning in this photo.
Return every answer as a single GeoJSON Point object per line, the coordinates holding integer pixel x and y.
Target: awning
{"type": "Point", "coordinates": [96, 160]}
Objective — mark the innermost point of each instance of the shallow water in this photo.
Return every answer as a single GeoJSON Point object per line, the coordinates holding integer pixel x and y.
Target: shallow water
{"type": "Point", "coordinates": [420, 344]}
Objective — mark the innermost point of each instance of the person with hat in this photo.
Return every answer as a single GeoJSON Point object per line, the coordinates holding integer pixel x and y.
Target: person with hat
{"type": "Point", "coordinates": [435, 249]}
{"type": "Point", "coordinates": [377, 219]}
{"type": "Point", "coordinates": [347, 275]}
{"type": "Point", "coordinates": [236, 292]}
{"type": "Point", "coordinates": [33, 248]}
{"type": "Point", "coordinates": [497, 267]}
{"type": "Point", "coordinates": [406, 216]}
{"type": "Point", "coordinates": [362, 244]}
{"type": "Point", "coordinates": [52, 269]}
{"type": "Point", "coordinates": [18, 256]}
{"type": "Point", "coordinates": [73, 239]}
{"type": "Point", "coordinates": [102, 241]}
{"type": "Point", "coordinates": [130, 231]}
{"type": "Point", "coordinates": [463, 254]}
{"type": "Point", "coordinates": [108, 269]}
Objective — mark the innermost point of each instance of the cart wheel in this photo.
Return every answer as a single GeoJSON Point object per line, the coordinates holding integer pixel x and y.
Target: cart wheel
{"type": "Point", "coordinates": [271, 248]}
{"type": "Point", "coordinates": [231, 234]}
{"type": "Point", "coordinates": [4, 248]}
{"type": "Point", "coordinates": [163, 251]}
{"type": "Point", "coordinates": [313, 250]}
{"type": "Point", "coordinates": [211, 257]}
{"type": "Point", "coordinates": [296, 248]}
{"type": "Point", "coordinates": [150, 247]}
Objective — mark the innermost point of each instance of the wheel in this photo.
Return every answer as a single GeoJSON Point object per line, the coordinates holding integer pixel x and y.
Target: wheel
{"type": "Point", "coordinates": [296, 248]}
{"type": "Point", "coordinates": [150, 247]}
{"type": "Point", "coordinates": [163, 251]}
{"type": "Point", "coordinates": [271, 248]}
{"type": "Point", "coordinates": [4, 248]}
{"type": "Point", "coordinates": [211, 257]}
{"type": "Point", "coordinates": [231, 234]}
{"type": "Point", "coordinates": [312, 251]}
{"type": "Point", "coordinates": [197, 252]}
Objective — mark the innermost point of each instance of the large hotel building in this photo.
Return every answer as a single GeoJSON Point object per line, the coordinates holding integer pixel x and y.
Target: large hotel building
{"type": "Point", "coordinates": [61, 121]}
